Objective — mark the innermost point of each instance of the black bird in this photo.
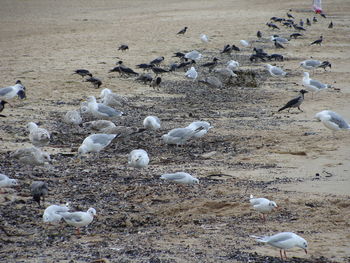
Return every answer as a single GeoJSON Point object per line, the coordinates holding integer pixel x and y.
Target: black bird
{"type": "Point", "coordinates": [295, 35]}
{"type": "Point", "coordinates": [308, 22]}
{"type": "Point", "coordinates": [157, 61]}
{"type": "Point", "coordinates": [39, 189]}
{"type": "Point", "coordinates": [277, 19]}
{"type": "Point", "coordinates": [227, 49]}
{"type": "Point", "coordinates": [158, 71]}
{"type": "Point", "coordinates": [2, 107]}
{"type": "Point", "coordinates": [186, 64]}
{"type": "Point", "coordinates": [296, 102]}
{"type": "Point", "coordinates": [95, 81]}
{"type": "Point", "coordinates": [182, 31]}
{"type": "Point", "coordinates": [21, 94]}
{"type": "Point", "coordinates": [82, 72]}
{"type": "Point", "coordinates": [256, 57]}
{"type": "Point", "coordinates": [288, 24]}
{"type": "Point", "coordinates": [276, 57]}
{"type": "Point", "coordinates": [330, 24]}
{"type": "Point", "coordinates": [235, 48]}
{"type": "Point", "coordinates": [145, 78]}
{"type": "Point", "coordinates": [156, 82]}
{"type": "Point", "coordinates": [123, 47]}
{"type": "Point", "coordinates": [128, 71]}
{"type": "Point", "coordinates": [323, 15]}
{"type": "Point", "coordinates": [318, 41]}
{"type": "Point", "coordinates": [300, 28]}
{"type": "Point", "coordinates": [258, 34]}
{"type": "Point", "coordinates": [272, 25]}
{"type": "Point", "coordinates": [278, 45]}
{"type": "Point", "coordinates": [314, 20]}
{"type": "Point", "coordinates": [179, 55]}
{"type": "Point", "coordinates": [211, 64]}
{"type": "Point", "coordinates": [325, 64]}
{"type": "Point", "coordinates": [290, 15]}
{"type": "Point", "coordinates": [144, 66]}
{"type": "Point", "coordinates": [301, 23]}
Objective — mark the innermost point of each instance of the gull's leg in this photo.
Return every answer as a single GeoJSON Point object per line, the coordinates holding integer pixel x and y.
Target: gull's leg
{"type": "Point", "coordinates": [281, 254]}
{"type": "Point", "coordinates": [285, 254]}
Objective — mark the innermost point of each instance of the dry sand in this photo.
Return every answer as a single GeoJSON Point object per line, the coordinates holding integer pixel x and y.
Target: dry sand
{"type": "Point", "coordinates": [251, 150]}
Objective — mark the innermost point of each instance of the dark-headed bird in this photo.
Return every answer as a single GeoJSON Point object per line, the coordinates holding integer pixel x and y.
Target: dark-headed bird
{"type": "Point", "coordinates": [156, 82]}
{"type": "Point", "coordinates": [290, 15]}
{"type": "Point", "coordinates": [235, 48]}
{"type": "Point", "coordinates": [314, 20]}
{"type": "Point", "coordinates": [123, 47]}
{"type": "Point", "coordinates": [323, 15]}
{"type": "Point", "coordinates": [182, 31]}
{"type": "Point", "coordinates": [2, 107]}
{"type": "Point", "coordinates": [158, 71]}
{"type": "Point", "coordinates": [300, 28]}
{"type": "Point", "coordinates": [157, 61]}
{"type": "Point", "coordinates": [227, 49]}
{"type": "Point", "coordinates": [296, 102]}
{"type": "Point", "coordinates": [308, 22]}
{"type": "Point", "coordinates": [318, 41]}
{"type": "Point", "coordinates": [330, 24]}
{"type": "Point", "coordinates": [295, 35]}
{"type": "Point", "coordinates": [258, 34]}
{"type": "Point", "coordinates": [83, 72]}
{"type": "Point", "coordinates": [39, 189]}
{"type": "Point", "coordinates": [95, 81]}
{"type": "Point", "coordinates": [144, 66]}
{"type": "Point", "coordinates": [211, 64]}
{"type": "Point", "coordinates": [325, 64]}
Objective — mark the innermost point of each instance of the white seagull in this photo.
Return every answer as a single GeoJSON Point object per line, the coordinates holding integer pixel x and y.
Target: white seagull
{"type": "Point", "coordinates": [79, 219]}
{"type": "Point", "coordinates": [10, 92]}
{"type": "Point", "coordinates": [96, 142]}
{"type": "Point", "coordinates": [52, 213]}
{"type": "Point", "coordinates": [32, 156]}
{"type": "Point", "coordinates": [5, 181]}
{"type": "Point", "coordinates": [198, 124]}
{"type": "Point", "coordinates": [244, 43]}
{"type": "Point", "coordinates": [38, 136]}
{"type": "Point", "coordinates": [112, 99]}
{"type": "Point", "coordinates": [180, 136]}
{"type": "Point", "coordinates": [279, 39]}
{"type": "Point", "coordinates": [275, 71]}
{"type": "Point", "coordinates": [284, 241]}
{"type": "Point", "coordinates": [138, 158]}
{"type": "Point", "coordinates": [151, 123]}
{"type": "Point", "coordinates": [191, 73]}
{"type": "Point", "coordinates": [332, 120]}
{"type": "Point", "coordinates": [204, 38]}
{"type": "Point", "coordinates": [313, 85]}
{"type": "Point", "coordinates": [72, 117]}
{"type": "Point", "coordinates": [180, 177]}
{"type": "Point", "coordinates": [232, 64]}
{"type": "Point", "coordinates": [194, 55]}
{"type": "Point", "coordinates": [263, 205]}
{"type": "Point", "coordinates": [310, 64]}
{"type": "Point", "coordinates": [102, 111]}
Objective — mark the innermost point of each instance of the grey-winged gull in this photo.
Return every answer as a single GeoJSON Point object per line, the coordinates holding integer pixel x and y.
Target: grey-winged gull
{"type": "Point", "coordinates": [96, 142]}
{"type": "Point", "coordinates": [72, 117]}
{"type": "Point", "coordinates": [10, 92]}
{"type": "Point", "coordinates": [197, 125]}
{"type": "Point", "coordinates": [179, 136]}
{"type": "Point", "coordinates": [102, 111]}
{"type": "Point", "coordinates": [38, 136]}
{"type": "Point", "coordinates": [5, 181]}
{"type": "Point", "coordinates": [31, 156]}
{"type": "Point", "coordinates": [194, 55]}
{"type": "Point", "coordinates": [204, 38]}
{"type": "Point", "coordinates": [151, 123]}
{"type": "Point", "coordinates": [112, 99]}
{"type": "Point", "coordinates": [180, 178]}
{"type": "Point", "coordinates": [52, 214]}
{"type": "Point", "coordinates": [138, 158]}
{"type": "Point", "coordinates": [313, 85]}
{"type": "Point", "coordinates": [275, 71]}
{"type": "Point", "coordinates": [284, 241]}
{"type": "Point", "coordinates": [191, 73]}
{"type": "Point", "coordinates": [79, 219]}
{"type": "Point", "coordinates": [332, 120]}
{"type": "Point", "coordinates": [262, 205]}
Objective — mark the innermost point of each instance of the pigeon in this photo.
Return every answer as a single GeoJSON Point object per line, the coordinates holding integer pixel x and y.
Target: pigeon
{"type": "Point", "coordinates": [284, 241]}
{"type": "Point", "coordinates": [138, 158]}
{"type": "Point", "coordinates": [38, 136]}
{"type": "Point", "coordinates": [180, 178]}
{"type": "Point", "coordinates": [39, 189]}
{"type": "Point", "coordinates": [96, 143]}
{"type": "Point", "coordinates": [151, 123]}
{"type": "Point", "coordinates": [182, 31]}
{"type": "Point", "coordinates": [79, 219]}
{"type": "Point", "coordinates": [296, 102]}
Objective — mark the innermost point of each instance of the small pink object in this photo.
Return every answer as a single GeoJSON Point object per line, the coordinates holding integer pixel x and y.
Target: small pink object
{"type": "Point", "coordinates": [317, 6]}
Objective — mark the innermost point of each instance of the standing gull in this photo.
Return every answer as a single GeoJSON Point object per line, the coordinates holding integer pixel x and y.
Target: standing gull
{"type": "Point", "coordinates": [180, 136]}
{"type": "Point", "coordinates": [38, 136]}
{"type": "Point", "coordinates": [151, 123]}
{"type": "Point", "coordinates": [138, 158]}
{"type": "Point", "coordinates": [100, 110]}
{"type": "Point", "coordinates": [112, 99]}
{"type": "Point", "coordinates": [275, 71]}
{"type": "Point", "coordinates": [191, 73]}
{"type": "Point", "coordinates": [10, 92]}
{"type": "Point", "coordinates": [73, 117]}
{"type": "Point", "coordinates": [232, 64]}
{"type": "Point", "coordinates": [79, 219]}
{"type": "Point", "coordinates": [194, 55]}
{"type": "Point", "coordinates": [96, 142]}
{"type": "Point", "coordinates": [296, 102]}
{"type": "Point", "coordinates": [262, 205]}
{"type": "Point", "coordinates": [332, 120]}
{"type": "Point", "coordinates": [180, 178]}
{"type": "Point", "coordinates": [204, 38]}
{"type": "Point", "coordinates": [52, 213]}
{"type": "Point", "coordinates": [313, 85]}
{"type": "Point", "coordinates": [284, 241]}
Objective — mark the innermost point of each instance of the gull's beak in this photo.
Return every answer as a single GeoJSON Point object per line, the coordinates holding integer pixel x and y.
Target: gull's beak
{"type": "Point", "coordinates": [305, 251]}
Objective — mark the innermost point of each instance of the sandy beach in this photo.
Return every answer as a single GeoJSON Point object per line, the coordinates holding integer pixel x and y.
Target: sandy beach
{"type": "Point", "coordinates": [252, 149]}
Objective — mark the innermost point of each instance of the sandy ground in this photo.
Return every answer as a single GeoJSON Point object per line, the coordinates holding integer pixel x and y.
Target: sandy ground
{"type": "Point", "coordinates": [252, 149]}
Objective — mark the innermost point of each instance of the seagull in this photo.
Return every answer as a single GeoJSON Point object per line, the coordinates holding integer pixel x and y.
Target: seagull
{"type": "Point", "coordinates": [212, 81]}
{"type": "Point", "coordinates": [2, 106]}
{"type": "Point", "coordinates": [196, 125]}
{"type": "Point", "coordinates": [10, 92]}
{"type": "Point", "coordinates": [296, 102]}
{"type": "Point", "coordinates": [191, 73]}
{"type": "Point", "coordinates": [258, 34]}
{"type": "Point", "coordinates": [73, 117]}
{"type": "Point", "coordinates": [310, 64]}
{"type": "Point", "coordinates": [79, 219]}
{"type": "Point", "coordinates": [279, 39]}
{"type": "Point", "coordinates": [225, 72]}
{"type": "Point", "coordinates": [123, 47]}
{"type": "Point", "coordinates": [96, 142]}
{"type": "Point", "coordinates": [5, 181]}
{"type": "Point", "coordinates": [313, 85]}
{"type": "Point", "coordinates": [182, 31]}
{"type": "Point", "coordinates": [111, 99]}
{"type": "Point", "coordinates": [32, 156]}
{"type": "Point", "coordinates": [284, 241]}
{"type": "Point", "coordinates": [180, 177]}
{"type": "Point", "coordinates": [275, 71]}
{"type": "Point", "coordinates": [262, 205]}
{"type": "Point", "coordinates": [138, 158]}
{"type": "Point", "coordinates": [52, 213]}
{"type": "Point", "coordinates": [204, 38]}
{"type": "Point", "coordinates": [332, 120]}
{"type": "Point", "coordinates": [180, 136]}
{"type": "Point", "coordinates": [151, 123]}
{"type": "Point", "coordinates": [100, 110]}
{"type": "Point", "coordinates": [244, 43]}
{"type": "Point", "coordinates": [194, 55]}
{"type": "Point", "coordinates": [82, 72]}
{"type": "Point", "coordinates": [99, 125]}
{"type": "Point", "coordinates": [318, 41]}
{"type": "Point", "coordinates": [95, 81]}
{"type": "Point", "coordinates": [157, 61]}
{"type": "Point", "coordinates": [38, 136]}
{"type": "Point", "coordinates": [330, 24]}
{"type": "Point", "coordinates": [39, 189]}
